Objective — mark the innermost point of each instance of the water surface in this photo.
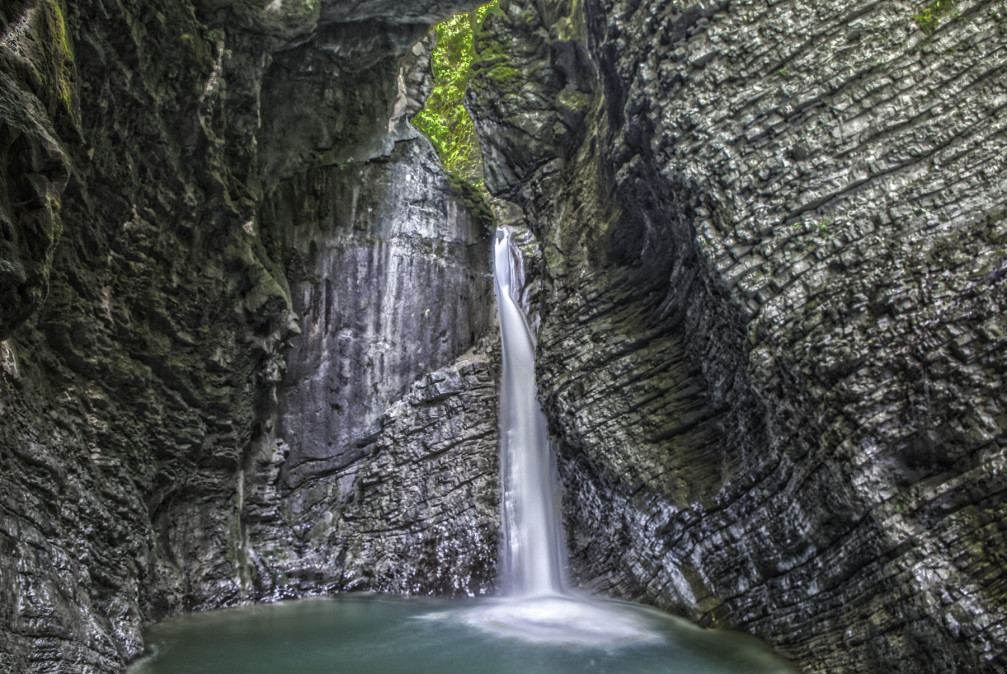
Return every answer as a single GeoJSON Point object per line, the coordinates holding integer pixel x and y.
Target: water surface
{"type": "Point", "coordinates": [373, 633]}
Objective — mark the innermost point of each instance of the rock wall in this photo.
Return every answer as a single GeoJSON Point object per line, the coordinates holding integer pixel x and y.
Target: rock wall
{"type": "Point", "coordinates": [774, 281]}
{"type": "Point", "coordinates": [772, 293]}
{"type": "Point", "coordinates": [210, 211]}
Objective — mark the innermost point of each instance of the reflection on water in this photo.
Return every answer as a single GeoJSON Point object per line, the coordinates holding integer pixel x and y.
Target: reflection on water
{"type": "Point", "coordinates": [371, 633]}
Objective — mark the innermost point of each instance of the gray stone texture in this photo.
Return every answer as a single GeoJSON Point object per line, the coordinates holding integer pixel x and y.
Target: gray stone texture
{"type": "Point", "coordinates": [210, 211]}
{"type": "Point", "coordinates": [770, 283]}
{"type": "Point", "coordinates": [774, 280]}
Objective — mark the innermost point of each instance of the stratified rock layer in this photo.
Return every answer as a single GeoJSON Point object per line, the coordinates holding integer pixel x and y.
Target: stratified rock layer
{"type": "Point", "coordinates": [219, 238]}
{"type": "Point", "coordinates": [773, 338]}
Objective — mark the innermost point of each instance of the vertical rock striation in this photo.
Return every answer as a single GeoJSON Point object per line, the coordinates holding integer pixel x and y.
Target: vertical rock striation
{"type": "Point", "coordinates": [210, 210]}
{"type": "Point", "coordinates": [772, 343]}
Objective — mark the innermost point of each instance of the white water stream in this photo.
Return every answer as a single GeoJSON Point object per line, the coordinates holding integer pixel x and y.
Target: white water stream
{"type": "Point", "coordinates": [541, 621]}
{"type": "Point", "coordinates": [538, 604]}
{"type": "Point", "coordinates": [534, 554]}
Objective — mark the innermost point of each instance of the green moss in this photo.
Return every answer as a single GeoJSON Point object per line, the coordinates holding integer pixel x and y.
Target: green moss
{"type": "Point", "coordinates": [574, 100]}
{"type": "Point", "coordinates": [929, 19]}
{"type": "Point", "coordinates": [444, 119]}
{"type": "Point", "coordinates": [57, 69]}
{"type": "Point", "coordinates": [504, 77]}
{"type": "Point", "coordinates": [475, 199]}
{"type": "Point", "coordinates": [57, 224]}
{"type": "Point", "coordinates": [491, 66]}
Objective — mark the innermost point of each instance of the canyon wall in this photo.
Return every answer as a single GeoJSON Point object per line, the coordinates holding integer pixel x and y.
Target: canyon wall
{"type": "Point", "coordinates": [242, 316]}
{"type": "Point", "coordinates": [774, 275]}
{"type": "Point", "coordinates": [246, 341]}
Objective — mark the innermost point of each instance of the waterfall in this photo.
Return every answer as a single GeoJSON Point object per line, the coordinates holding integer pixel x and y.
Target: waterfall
{"type": "Point", "coordinates": [538, 604]}
{"type": "Point", "coordinates": [534, 554]}
{"type": "Point", "coordinates": [572, 632]}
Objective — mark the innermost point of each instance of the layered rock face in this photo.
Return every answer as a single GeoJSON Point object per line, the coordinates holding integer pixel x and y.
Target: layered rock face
{"type": "Point", "coordinates": [774, 267]}
{"type": "Point", "coordinates": [243, 314]}
{"type": "Point", "coordinates": [219, 236]}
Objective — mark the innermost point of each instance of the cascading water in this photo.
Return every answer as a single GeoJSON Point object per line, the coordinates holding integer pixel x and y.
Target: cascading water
{"type": "Point", "coordinates": [539, 606]}
{"type": "Point", "coordinates": [358, 633]}
{"type": "Point", "coordinates": [534, 555]}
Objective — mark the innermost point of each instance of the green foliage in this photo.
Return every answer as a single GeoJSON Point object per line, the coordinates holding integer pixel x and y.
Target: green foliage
{"type": "Point", "coordinates": [444, 119]}
{"type": "Point", "coordinates": [930, 17]}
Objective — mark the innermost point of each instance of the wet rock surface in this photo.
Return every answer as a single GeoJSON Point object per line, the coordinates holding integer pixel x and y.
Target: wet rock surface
{"type": "Point", "coordinates": [417, 513]}
{"type": "Point", "coordinates": [391, 275]}
{"type": "Point", "coordinates": [772, 342]}
{"type": "Point", "coordinates": [770, 285]}
{"type": "Point", "coordinates": [36, 165]}
{"type": "Point", "coordinates": [166, 224]}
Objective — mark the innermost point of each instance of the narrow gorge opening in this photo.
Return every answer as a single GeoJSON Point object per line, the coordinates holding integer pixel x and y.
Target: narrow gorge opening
{"type": "Point", "coordinates": [249, 353]}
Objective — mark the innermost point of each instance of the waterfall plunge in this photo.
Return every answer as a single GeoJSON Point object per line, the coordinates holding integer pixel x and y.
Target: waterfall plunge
{"type": "Point", "coordinates": [541, 610]}
{"type": "Point", "coordinates": [539, 607]}
{"type": "Point", "coordinates": [534, 555]}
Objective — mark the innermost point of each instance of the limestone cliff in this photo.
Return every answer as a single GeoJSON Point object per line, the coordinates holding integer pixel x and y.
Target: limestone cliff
{"type": "Point", "coordinates": [774, 281]}
{"type": "Point", "coordinates": [241, 310]}
{"type": "Point", "coordinates": [244, 318]}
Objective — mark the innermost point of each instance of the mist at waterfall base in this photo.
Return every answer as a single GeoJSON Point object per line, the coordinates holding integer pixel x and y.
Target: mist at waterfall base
{"type": "Point", "coordinates": [540, 625]}
{"type": "Point", "coordinates": [353, 634]}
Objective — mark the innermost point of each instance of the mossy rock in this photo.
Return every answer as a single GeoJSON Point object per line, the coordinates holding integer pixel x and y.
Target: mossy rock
{"type": "Point", "coordinates": [474, 199]}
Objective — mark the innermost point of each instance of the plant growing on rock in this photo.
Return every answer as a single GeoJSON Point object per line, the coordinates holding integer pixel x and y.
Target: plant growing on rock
{"type": "Point", "coordinates": [444, 119]}
{"type": "Point", "coordinates": [930, 17]}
